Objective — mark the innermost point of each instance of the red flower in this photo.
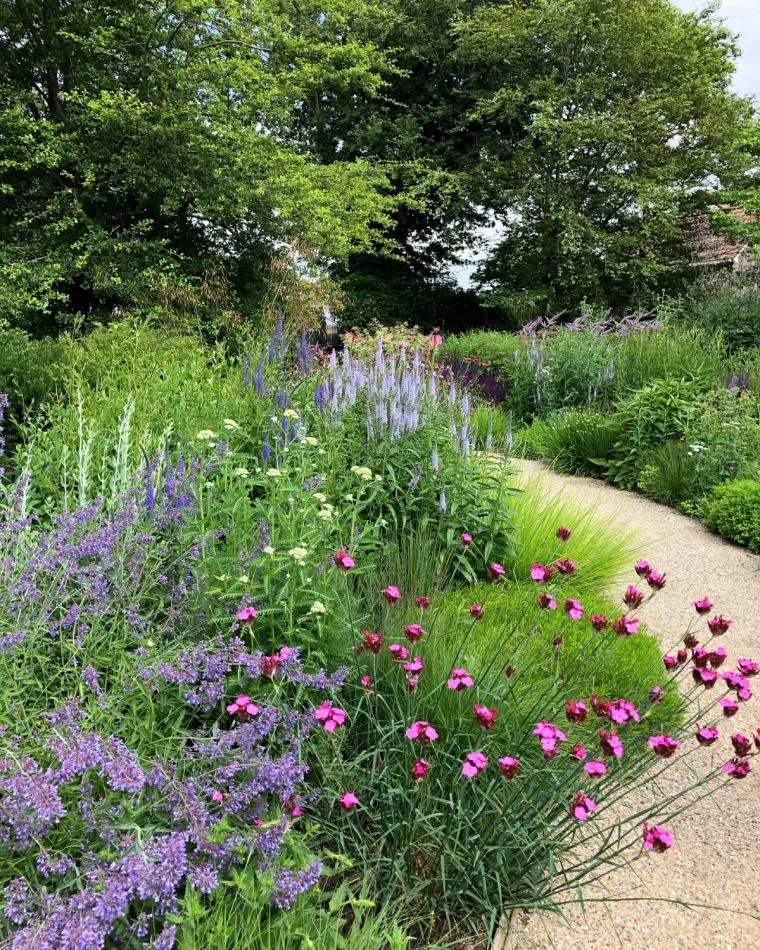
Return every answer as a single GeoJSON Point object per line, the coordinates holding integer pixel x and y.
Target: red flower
{"type": "Point", "coordinates": [414, 632]}
{"type": "Point", "coordinates": [509, 767]}
{"type": "Point", "coordinates": [599, 622]}
{"type": "Point", "coordinates": [495, 571]}
{"type": "Point", "coordinates": [398, 652]}
{"type": "Point", "coordinates": [477, 612]}
{"type": "Point", "coordinates": [578, 752]}
{"type": "Point", "coordinates": [576, 712]}
{"type": "Point", "coordinates": [348, 800]}
{"type": "Point", "coordinates": [656, 694]}
{"type": "Point", "coordinates": [473, 764]}
{"type": "Point", "coordinates": [625, 626]}
{"type": "Point", "coordinates": [344, 561]}
{"type": "Point", "coordinates": [718, 625]}
{"type": "Point", "coordinates": [703, 606]}
{"type": "Point", "coordinates": [565, 566]}
{"type": "Point", "coordinates": [541, 573]}
{"type": "Point", "coordinates": [373, 642]}
{"type": "Point", "coordinates": [657, 838]}
{"type": "Point", "coordinates": [546, 601]}
{"type": "Point", "coordinates": [485, 717]}
{"type": "Point", "coordinates": [747, 667]}
{"type": "Point", "coordinates": [729, 706]}
{"type": "Point", "coordinates": [742, 745]}
{"type": "Point", "coordinates": [706, 736]}
{"type": "Point", "coordinates": [416, 665]}
{"type": "Point", "coordinates": [466, 539]}
{"type": "Point", "coordinates": [422, 602]}
{"type": "Point", "coordinates": [656, 581]}
{"type": "Point", "coordinates": [563, 533]}
{"type": "Point", "coordinates": [642, 568]}
{"type": "Point", "coordinates": [670, 663]}
{"type": "Point", "coordinates": [411, 683]}
{"type": "Point", "coordinates": [243, 707]}
{"type": "Point", "coordinates": [583, 806]}
{"type": "Point", "coordinates": [690, 641]}
{"type": "Point", "coordinates": [246, 614]}
{"type": "Point", "coordinates": [420, 769]}
{"type": "Point", "coordinates": [633, 597]}
{"type": "Point", "coordinates": [422, 731]}
{"type": "Point", "coordinates": [708, 678]}
{"type": "Point", "coordinates": [718, 657]}
{"type": "Point", "coordinates": [367, 683]}
{"type": "Point", "coordinates": [664, 746]}
{"type": "Point", "coordinates": [611, 744]}
{"type": "Point", "coordinates": [737, 768]}
{"type": "Point", "coordinates": [510, 671]}
{"type": "Point", "coordinates": [701, 657]}
{"type": "Point", "coordinates": [391, 593]}
{"type": "Point", "coordinates": [573, 608]}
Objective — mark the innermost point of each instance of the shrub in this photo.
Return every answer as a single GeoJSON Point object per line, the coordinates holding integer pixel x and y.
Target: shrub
{"type": "Point", "coordinates": [581, 442]}
{"type": "Point", "coordinates": [530, 442]}
{"type": "Point", "coordinates": [669, 474]}
{"type": "Point", "coordinates": [728, 305]}
{"type": "Point", "coordinates": [734, 512]}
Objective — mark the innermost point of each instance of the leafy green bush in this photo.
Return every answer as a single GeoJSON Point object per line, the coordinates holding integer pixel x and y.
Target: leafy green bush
{"type": "Point", "coordinates": [723, 433]}
{"type": "Point", "coordinates": [669, 474]}
{"type": "Point", "coordinates": [530, 441]}
{"type": "Point", "coordinates": [670, 352]}
{"type": "Point", "coordinates": [581, 441]}
{"type": "Point", "coordinates": [580, 371]}
{"type": "Point", "coordinates": [734, 512]}
{"type": "Point", "coordinates": [729, 305]}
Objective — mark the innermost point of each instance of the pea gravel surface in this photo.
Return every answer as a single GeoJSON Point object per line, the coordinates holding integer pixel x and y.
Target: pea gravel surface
{"type": "Point", "coordinates": [716, 856]}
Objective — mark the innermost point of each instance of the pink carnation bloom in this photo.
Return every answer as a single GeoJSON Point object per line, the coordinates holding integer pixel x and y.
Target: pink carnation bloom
{"type": "Point", "coordinates": [573, 608]}
{"type": "Point", "coordinates": [626, 626]}
{"type": "Point", "coordinates": [246, 614]}
{"type": "Point", "coordinates": [707, 678]}
{"type": "Point", "coordinates": [622, 710]}
{"type": "Point", "coordinates": [373, 642]}
{"type": "Point", "coordinates": [738, 768]}
{"type": "Point", "coordinates": [599, 622]}
{"type": "Point", "coordinates": [563, 533]}
{"type": "Point", "coordinates": [348, 800]}
{"type": "Point", "coordinates": [422, 602]}
{"type": "Point", "coordinates": [473, 764]}
{"type": "Point", "coordinates": [392, 594]}
{"type": "Point", "coordinates": [701, 657]}
{"type": "Point", "coordinates": [656, 580]}
{"type": "Point", "coordinates": [217, 796]}
{"type": "Point", "coordinates": [611, 744]}
{"type": "Point", "coordinates": [420, 769]}
{"type": "Point", "coordinates": [718, 625]}
{"type": "Point", "coordinates": [541, 573]}
{"type": "Point", "coordinates": [344, 561]}
{"type": "Point", "coordinates": [742, 745]}
{"type": "Point", "coordinates": [583, 806]}
{"type": "Point", "coordinates": [595, 768]}
{"type": "Point", "coordinates": [748, 667]}
{"type": "Point", "coordinates": [756, 738]}
{"type": "Point", "coordinates": [601, 707]}
{"type": "Point", "coordinates": [718, 657]}
{"type": "Point", "coordinates": [414, 632]}
{"type": "Point", "coordinates": [398, 652]}
{"type": "Point", "coordinates": [291, 805]}
{"type": "Point", "coordinates": [495, 571]}
{"type": "Point", "coordinates": [485, 717]}
{"type": "Point", "coordinates": [690, 641]}
{"type": "Point", "coordinates": [366, 683]}
{"type": "Point", "coordinates": [477, 612]}
{"type": "Point", "coordinates": [546, 601]}
{"type": "Point", "coordinates": [681, 657]}
{"type": "Point", "coordinates": [706, 736]}
{"type": "Point", "coordinates": [578, 752]}
{"type": "Point", "coordinates": [565, 566]}
{"type": "Point", "coordinates": [330, 716]}
{"type": "Point", "coordinates": [657, 838]}
{"type": "Point", "coordinates": [550, 736]}
{"type": "Point", "coordinates": [633, 597]}
{"type": "Point", "coordinates": [729, 706]}
{"type": "Point", "coordinates": [670, 662]}
{"type": "Point", "coordinates": [422, 731]}
{"type": "Point", "coordinates": [466, 539]}
{"type": "Point", "coordinates": [703, 606]}
{"type": "Point", "coordinates": [509, 767]}
{"type": "Point", "coordinates": [642, 568]}
{"type": "Point", "coordinates": [734, 680]}
{"type": "Point", "coordinates": [243, 707]}
{"type": "Point", "coordinates": [576, 712]}
{"type": "Point", "coordinates": [411, 683]}
{"type": "Point", "coordinates": [460, 679]}
{"type": "Point", "coordinates": [656, 694]}
{"type": "Point", "coordinates": [415, 666]}
{"type": "Point", "coordinates": [664, 746]}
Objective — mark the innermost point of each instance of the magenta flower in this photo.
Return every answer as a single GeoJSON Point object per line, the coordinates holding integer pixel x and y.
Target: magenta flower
{"type": "Point", "coordinates": [690, 641]}
{"type": "Point", "coordinates": [573, 608]}
{"type": "Point", "coordinates": [246, 614]}
{"type": "Point", "coordinates": [729, 706]}
{"type": "Point", "coordinates": [681, 657]}
{"type": "Point", "coordinates": [460, 679]}
{"type": "Point", "coordinates": [756, 738]}
{"type": "Point", "coordinates": [477, 612]}
{"type": "Point", "coordinates": [473, 764]}
{"type": "Point", "coordinates": [748, 667]}
{"type": "Point", "coordinates": [742, 745]}
{"type": "Point", "coordinates": [622, 710]}
{"type": "Point", "coordinates": [656, 580]}
{"type": "Point", "coordinates": [734, 681]}
{"type": "Point", "coordinates": [392, 594]}
{"type": "Point", "coordinates": [633, 597]}
{"type": "Point", "coordinates": [243, 707]}
{"type": "Point", "coordinates": [411, 683]}
{"type": "Point", "coordinates": [510, 671]}
{"type": "Point", "coordinates": [415, 666]}
{"type": "Point", "coordinates": [601, 707]}
{"type": "Point", "coordinates": [420, 770]}
{"type": "Point", "coordinates": [563, 533]}
{"type": "Point", "coordinates": [718, 625]}
{"type": "Point", "coordinates": [485, 717]}
{"type": "Point", "coordinates": [330, 716]}
{"type": "Point", "coordinates": [703, 606]}
{"type": "Point", "coordinates": [670, 662]}
{"type": "Point", "coordinates": [576, 712]}
{"type": "Point", "coordinates": [422, 732]}
{"type": "Point", "coordinates": [737, 768]}
{"type": "Point", "coordinates": [595, 768]}
{"type": "Point", "coordinates": [664, 746]}
{"type": "Point", "coordinates": [541, 573]}
{"type": "Point", "coordinates": [422, 602]}
{"type": "Point", "coordinates": [642, 568]}
{"type": "Point", "coordinates": [656, 694]}
{"type": "Point", "coordinates": [718, 657]}
{"type": "Point", "coordinates": [217, 796]}
{"type": "Point", "coordinates": [373, 642]}
{"type": "Point", "coordinates": [611, 744]}
{"type": "Point", "coordinates": [707, 678]}
{"type": "Point", "coordinates": [701, 657]}
{"type": "Point", "coordinates": [557, 641]}
{"type": "Point", "coordinates": [546, 601]}
{"type": "Point", "coordinates": [583, 806]}
{"type": "Point", "coordinates": [626, 626]}
{"type": "Point", "coordinates": [344, 561]}
{"type": "Point", "coordinates": [550, 736]}
{"type": "Point", "coordinates": [414, 632]}
{"type": "Point", "coordinates": [495, 571]}
{"type": "Point", "coordinates": [599, 622]}
{"type": "Point", "coordinates": [290, 805]}
{"type": "Point", "coordinates": [348, 800]}
{"type": "Point", "coordinates": [657, 838]}
{"type": "Point", "coordinates": [466, 539]}
{"type": "Point", "coordinates": [366, 683]}
{"type": "Point", "coordinates": [398, 652]}
{"type": "Point", "coordinates": [509, 767]}
{"type": "Point", "coordinates": [565, 566]}
{"type": "Point", "coordinates": [706, 736]}
{"type": "Point", "coordinates": [578, 752]}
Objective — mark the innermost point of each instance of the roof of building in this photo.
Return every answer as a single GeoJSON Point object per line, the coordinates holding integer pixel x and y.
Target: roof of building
{"type": "Point", "coordinates": [707, 246]}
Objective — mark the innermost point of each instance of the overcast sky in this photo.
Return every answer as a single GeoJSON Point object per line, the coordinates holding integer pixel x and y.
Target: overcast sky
{"type": "Point", "coordinates": [741, 16]}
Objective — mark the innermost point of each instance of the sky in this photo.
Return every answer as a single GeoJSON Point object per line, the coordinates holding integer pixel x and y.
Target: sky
{"type": "Point", "coordinates": [742, 17]}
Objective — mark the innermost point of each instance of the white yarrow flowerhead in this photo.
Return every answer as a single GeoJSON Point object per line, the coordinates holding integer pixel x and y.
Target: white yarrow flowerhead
{"type": "Point", "coordinates": [268, 549]}
{"type": "Point", "coordinates": [290, 414]}
{"type": "Point", "coordinates": [231, 425]}
{"type": "Point", "coordinates": [310, 440]}
{"type": "Point", "coordinates": [205, 434]}
{"type": "Point", "coordinates": [325, 514]}
{"type": "Point", "coordinates": [298, 553]}
{"type": "Point", "coordinates": [317, 607]}
{"type": "Point", "coordinates": [274, 473]}
{"type": "Point", "coordinates": [242, 472]}
{"type": "Point", "coordinates": [320, 497]}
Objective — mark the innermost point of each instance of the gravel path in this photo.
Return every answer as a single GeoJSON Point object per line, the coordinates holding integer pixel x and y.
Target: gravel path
{"type": "Point", "coordinates": [716, 857]}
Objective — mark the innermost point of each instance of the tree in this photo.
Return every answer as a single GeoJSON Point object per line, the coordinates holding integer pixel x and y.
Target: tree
{"type": "Point", "coordinates": [745, 194]}
{"type": "Point", "coordinates": [149, 151]}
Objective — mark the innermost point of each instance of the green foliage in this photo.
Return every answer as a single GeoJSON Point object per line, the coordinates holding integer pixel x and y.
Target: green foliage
{"type": "Point", "coordinates": [530, 442]}
{"type": "Point", "coordinates": [743, 193]}
{"type": "Point", "coordinates": [734, 512]}
{"type": "Point", "coordinates": [581, 441]}
{"type": "Point", "coordinates": [671, 351]}
{"type": "Point", "coordinates": [728, 305]}
{"type": "Point", "coordinates": [669, 474]}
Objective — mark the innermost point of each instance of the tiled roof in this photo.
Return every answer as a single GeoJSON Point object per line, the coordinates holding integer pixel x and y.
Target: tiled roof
{"type": "Point", "coordinates": [708, 247]}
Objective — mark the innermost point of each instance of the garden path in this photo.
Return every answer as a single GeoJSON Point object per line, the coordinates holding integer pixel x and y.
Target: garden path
{"type": "Point", "coordinates": [716, 857]}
